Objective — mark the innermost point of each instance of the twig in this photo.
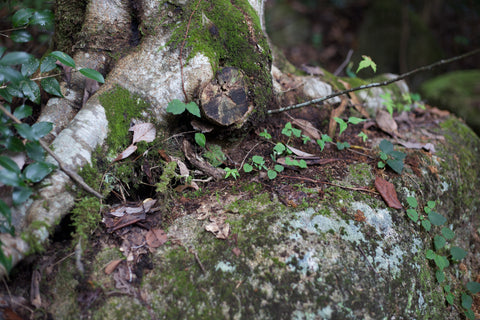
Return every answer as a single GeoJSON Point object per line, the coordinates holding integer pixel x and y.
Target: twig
{"type": "Point", "coordinates": [376, 84]}
{"type": "Point", "coordinates": [344, 63]}
{"type": "Point", "coordinates": [183, 45]}
{"type": "Point", "coordinates": [72, 174]}
{"type": "Point", "coordinates": [37, 78]}
{"type": "Point", "coordinates": [366, 258]}
{"type": "Point", "coordinates": [245, 158]}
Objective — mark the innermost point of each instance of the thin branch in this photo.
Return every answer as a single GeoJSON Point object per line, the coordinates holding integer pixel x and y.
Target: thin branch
{"type": "Point", "coordinates": [376, 84]}
{"type": "Point", "coordinates": [344, 63]}
{"type": "Point", "coordinates": [183, 45]}
{"type": "Point", "coordinates": [72, 174]}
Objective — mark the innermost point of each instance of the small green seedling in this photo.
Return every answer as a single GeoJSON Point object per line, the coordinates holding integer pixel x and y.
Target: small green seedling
{"type": "Point", "coordinates": [394, 159]}
{"type": "Point", "coordinates": [342, 145]}
{"type": "Point", "coordinates": [265, 134]}
{"type": "Point", "coordinates": [325, 138]}
{"type": "Point", "coordinates": [367, 62]}
{"type": "Point", "coordinates": [344, 125]}
{"type": "Point", "coordinates": [178, 107]}
{"type": "Point", "coordinates": [363, 136]}
{"type": "Point", "coordinates": [200, 139]}
{"type": "Point", "coordinates": [288, 130]}
{"type": "Point", "coordinates": [231, 172]}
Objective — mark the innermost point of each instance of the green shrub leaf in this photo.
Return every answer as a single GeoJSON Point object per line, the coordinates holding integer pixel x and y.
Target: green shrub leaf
{"type": "Point", "coordinates": [41, 129]}
{"type": "Point", "coordinates": [426, 225]}
{"type": "Point", "coordinates": [430, 254]}
{"type": "Point", "coordinates": [436, 218]}
{"type": "Point", "coordinates": [20, 195]}
{"type": "Point", "coordinates": [396, 165]}
{"type": "Point", "coordinates": [36, 171]}
{"type": "Point", "coordinates": [51, 86]}
{"type": "Point", "coordinates": [440, 276]}
{"type": "Point", "coordinates": [22, 17]}
{"type": "Point", "coordinates": [14, 144]}
{"type": "Point", "coordinates": [22, 112]}
{"type": "Point", "coordinates": [48, 64]}
{"type": "Point", "coordinates": [35, 151]}
{"type": "Point", "coordinates": [450, 298]}
{"type": "Point", "coordinates": [43, 18]}
{"type": "Point", "coordinates": [441, 262]}
{"type": "Point", "coordinates": [343, 124]}
{"type": "Point", "coordinates": [63, 58]}
{"type": "Point", "coordinates": [9, 164]}
{"type": "Point", "coordinates": [21, 36]}
{"type": "Point", "coordinates": [29, 67]}
{"type": "Point", "coordinates": [386, 146]}
{"type": "Point", "coordinates": [31, 90]}
{"type": "Point", "coordinates": [176, 106]}
{"type": "Point", "coordinates": [457, 253]}
{"type": "Point", "coordinates": [14, 58]}
{"type": "Point", "coordinates": [92, 74]}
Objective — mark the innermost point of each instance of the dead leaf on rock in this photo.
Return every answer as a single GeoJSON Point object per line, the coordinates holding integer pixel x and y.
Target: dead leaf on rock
{"type": "Point", "coordinates": [300, 153]}
{"type": "Point", "coordinates": [126, 153]}
{"type": "Point", "coordinates": [218, 227]}
{"type": "Point", "coordinates": [156, 237]}
{"type": "Point", "coordinates": [112, 265]}
{"type": "Point", "coordinates": [388, 193]}
{"type": "Point", "coordinates": [386, 123]}
{"type": "Point", "coordinates": [416, 145]}
{"type": "Point", "coordinates": [143, 132]}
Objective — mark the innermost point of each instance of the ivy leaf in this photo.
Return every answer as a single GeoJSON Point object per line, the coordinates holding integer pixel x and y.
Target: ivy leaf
{"type": "Point", "coordinates": [448, 233]}
{"type": "Point", "coordinates": [436, 218]}
{"type": "Point", "coordinates": [412, 202]}
{"type": "Point", "coordinates": [426, 225]}
{"type": "Point", "coordinates": [396, 165]}
{"type": "Point", "coordinates": [176, 106]}
{"type": "Point", "coordinates": [247, 168]}
{"type": "Point", "coordinates": [457, 253]}
{"type": "Point", "coordinates": [51, 86]}
{"type": "Point", "coordinates": [63, 58]}
{"type": "Point", "coordinates": [440, 275]}
{"type": "Point", "coordinates": [386, 146]}
{"type": "Point", "coordinates": [430, 254]}
{"type": "Point", "coordinates": [192, 107]}
{"type": "Point", "coordinates": [92, 74]}
{"type": "Point", "coordinates": [450, 298]}
{"type": "Point", "coordinates": [439, 242]}
{"type": "Point", "coordinates": [412, 214]}
{"type": "Point", "coordinates": [367, 62]}
{"type": "Point", "coordinates": [466, 301]}
{"type": "Point", "coordinates": [474, 287]}
{"type": "Point", "coordinates": [441, 262]}
{"type": "Point", "coordinates": [272, 174]}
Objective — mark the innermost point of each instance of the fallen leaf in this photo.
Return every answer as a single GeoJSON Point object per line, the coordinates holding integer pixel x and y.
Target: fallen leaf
{"type": "Point", "coordinates": [386, 123]}
{"type": "Point", "coordinates": [218, 227]}
{"type": "Point", "coordinates": [143, 132]}
{"type": "Point", "coordinates": [236, 251]}
{"type": "Point", "coordinates": [388, 193]}
{"type": "Point", "coordinates": [156, 237]}
{"type": "Point", "coordinates": [332, 126]}
{"type": "Point", "coordinates": [126, 153]}
{"type": "Point", "coordinates": [200, 126]}
{"type": "Point", "coordinates": [164, 155]}
{"type": "Point", "coordinates": [35, 297]}
{"type": "Point", "coordinates": [308, 128]}
{"type": "Point", "coordinates": [112, 265]}
{"type": "Point", "coordinates": [184, 172]}
{"type": "Point", "coordinates": [300, 153]}
{"type": "Point", "coordinates": [416, 145]}
{"type": "Point", "coordinates": [312, 70]}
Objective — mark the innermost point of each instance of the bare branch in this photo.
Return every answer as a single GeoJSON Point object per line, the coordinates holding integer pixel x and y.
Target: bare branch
{"type": "Point", "coordinates": [376, 84]}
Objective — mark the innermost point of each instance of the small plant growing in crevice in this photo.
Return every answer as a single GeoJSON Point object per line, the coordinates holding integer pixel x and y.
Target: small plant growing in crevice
{"type": "Point", "coordinates": [443, 254]}
{"type": "Point", "coordinates": [389, 156]}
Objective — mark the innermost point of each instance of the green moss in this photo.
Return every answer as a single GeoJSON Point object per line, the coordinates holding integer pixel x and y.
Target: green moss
{"type": "Point", "coordinates": [121, 107]}
{"type": "Point", "coordinates": [86, 216]}
{"type": "Point", "coordinates": [166, 177]}
{"type": "Point", "coordinates": [229, 34]}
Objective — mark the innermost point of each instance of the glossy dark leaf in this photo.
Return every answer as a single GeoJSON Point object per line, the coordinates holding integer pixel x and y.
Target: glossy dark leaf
{"type": "Point", "coordinates": [22, 112]}
{"type": "Point", "coordinates": [21, 36]}
{"type": "Point", "coordinates": [36, 171]}
{"type": "Point", "coordinates": [386, 146]}
{"type": "Point", "coordinates": [9, 164]}
{"type": "Point", "coordinates": [51, 86]}
{"type": "Point", "coordinates": [396, 165]}
{"type": "Point", "coordinates": [14, 144]}
{"type": "Point", "coordinates": [14, 58]}
{"type": "Point", "coordinates": [22, 17]}
{"type": "Point", "coordinates": [43, 18]}
{"type": "Point", "coordinates": [31, 90]}
{"type": "Point", "coordinates": [457, 253]}
{"type": "Point", "coordinates": [63, 58]}
{"type": "Point", "coordinates": [10, 178]}
{"type": "Point", "coordinates": [92, 74]}
{"type": "Point", "coordinates": [8, 74]}
{"type": "Point", "coordinates": [48, 64]}
{"type": "Point", "coordinates": [4, 92]}
{"type": "Point", "coordinates": [20, 195]}
{"type": "Point", "coordinates": [29, 67]}
{"type": "Point", "coordinates": [25, 131]}
{"type": "Point", "coordinates": [474, 287]}
{"type": "Point", "coordinates": [35, 151]}
{"type": "Point", "coordinates": [41, 129]}
{"type": "Point", "coordinates": [5, 211]}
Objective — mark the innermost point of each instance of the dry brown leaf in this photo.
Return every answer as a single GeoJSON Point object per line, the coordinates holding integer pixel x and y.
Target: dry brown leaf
{"type": "Point", "coordinates": [35, 297]}
{"type": "Point", "coordinates": [218, 227]}
{"type": "Point", "coordinates": [143, 132]}
{"type": "Point", "coordinates": [184, 172]}
{"type": "Point", "coordinates": [126, 153]}
{"type": "Point", "coordinates": [236, 251]}
{"type": "Point", "coordinates": [300, 153]}
{"type": "Point", "coordinates": [386, 123]}
{"type": "Point", "coordinates": [156, 237]}
{"type": "Point", "coordinates": [332, 126]}
{"type": "Point", "coordinates": [308, 128]}
{"type": "Point", "coordinates": [112, 265]}
{"type": "Point", "coordinates": [388, 193]}
{"type": "Point", "coordinates": [360, 216]}
{"type": "Point", "coordinates": [164, 155]}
